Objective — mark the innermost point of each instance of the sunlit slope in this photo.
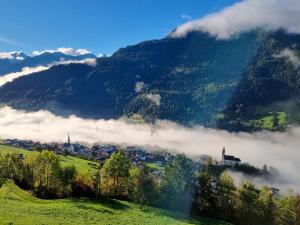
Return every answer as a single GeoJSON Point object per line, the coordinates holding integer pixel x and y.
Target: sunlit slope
{"type": "Point", "coordinates": [82, 166]}
{"type": "Point", "coordinates": [21, 208]}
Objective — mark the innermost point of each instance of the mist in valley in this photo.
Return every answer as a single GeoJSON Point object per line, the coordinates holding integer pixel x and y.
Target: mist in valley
{"type": "Point", "coordinates": [276, 149]}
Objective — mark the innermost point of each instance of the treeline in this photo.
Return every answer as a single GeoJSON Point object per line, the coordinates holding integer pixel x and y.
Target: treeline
{"type": "Point", "coordinates": [42, 174]}
{"type": "Point", "coordinates": [180, 188]}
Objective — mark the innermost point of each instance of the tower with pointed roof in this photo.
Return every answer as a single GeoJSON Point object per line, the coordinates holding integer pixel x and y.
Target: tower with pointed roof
{"type": "Point", "coordinates": [223, 154]}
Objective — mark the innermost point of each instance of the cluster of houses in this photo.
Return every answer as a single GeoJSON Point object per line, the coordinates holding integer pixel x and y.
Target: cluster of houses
{"type": "Point", "coordinates": [99, 152]}
{"type": "Point", "coordinates": [104, 151]}
{"type": "Point", "coordinates": [59, 148]}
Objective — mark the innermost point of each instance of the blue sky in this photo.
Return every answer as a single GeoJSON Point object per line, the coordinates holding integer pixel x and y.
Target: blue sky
{"type": "Point", "coordinates": [101, 26]}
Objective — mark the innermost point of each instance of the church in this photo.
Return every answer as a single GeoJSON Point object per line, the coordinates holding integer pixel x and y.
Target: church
{"type": "Point", "coordinates": [229, 160]}
{"type": "Point", "coordinates": [68, 146]}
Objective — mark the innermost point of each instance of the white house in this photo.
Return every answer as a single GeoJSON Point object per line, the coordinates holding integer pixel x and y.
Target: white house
{"type": "Point", "coordinates": [229, 160]}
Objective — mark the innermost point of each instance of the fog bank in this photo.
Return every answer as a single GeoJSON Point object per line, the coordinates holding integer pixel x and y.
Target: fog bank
{"type": "Point", "coordinates": [280, 150]}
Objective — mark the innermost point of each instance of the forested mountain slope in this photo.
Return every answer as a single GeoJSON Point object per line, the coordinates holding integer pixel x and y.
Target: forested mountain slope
{"type": "Point", "coordinates": [245, 83]}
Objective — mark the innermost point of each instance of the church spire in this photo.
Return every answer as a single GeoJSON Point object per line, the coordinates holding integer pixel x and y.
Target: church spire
{"type": "Point", "coordinates": [69, 140]}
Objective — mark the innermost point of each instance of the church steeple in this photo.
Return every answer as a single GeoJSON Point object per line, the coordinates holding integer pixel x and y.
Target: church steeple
{"type": "Point", "coordinates": [69, 140]}
{"type": "Point", "coordinates": [223, 154]}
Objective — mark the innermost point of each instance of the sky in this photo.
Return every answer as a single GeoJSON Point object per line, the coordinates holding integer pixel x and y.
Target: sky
{"type": "Point", "coordinates": [101, 26]}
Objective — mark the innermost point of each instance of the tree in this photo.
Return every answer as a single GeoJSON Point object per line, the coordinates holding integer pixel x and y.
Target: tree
{"type": "Point", "coordinates": [267, 206]}
{"type": "Point", "coordinates": [265, 169]}
{"type": "Point", "coordinates": [206, 195]}
{"type": "Point", "coordinates": [12, 166]}
{"type": "Point", "coordinates": [226, 197]}
{"type": "Point", "coordinates": [115, 176]}
{"type": "Point", "coordinates": [47, 174]}
{"type": "Point", "coordinates": [97, 179]}
{"type": "Point", "coordinates": [177, 184]}
{"type": "Point", "coordinates": [67, 177]}
{"type": "Point", "coordinates": [83, 186]}
{"type": "Point", "coordinates": [288, 211]}
{"type": "Point", "coordinates": [143, 187]}
{"type": "Point", "coordinates": [247, 205]}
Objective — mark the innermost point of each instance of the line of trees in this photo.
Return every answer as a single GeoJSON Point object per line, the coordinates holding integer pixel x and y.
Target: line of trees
{"type": "Point", "coordinates": [180, 188]}
{"type": "Point", "coordinates": [42, 174]}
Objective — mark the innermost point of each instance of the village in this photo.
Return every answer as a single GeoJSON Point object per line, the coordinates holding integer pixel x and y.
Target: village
{"type": "Point", "coordinates": [102, 152]}
{"type": "Point", "coordinates": [155, 160]}
{"type": "Point", "coordinates": [99, 152]}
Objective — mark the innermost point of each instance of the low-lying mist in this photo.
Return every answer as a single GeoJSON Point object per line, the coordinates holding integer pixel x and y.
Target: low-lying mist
{"type": "Point", "coordinates": [280, 150]}
{"type": "Point", "coordinates": [30, 70]}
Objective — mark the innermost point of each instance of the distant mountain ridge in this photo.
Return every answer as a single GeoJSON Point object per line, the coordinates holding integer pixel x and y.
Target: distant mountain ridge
{"type": "Point", "coordinates": [244, 83]}
{"type": "Point", "coordinates": [20, 60]}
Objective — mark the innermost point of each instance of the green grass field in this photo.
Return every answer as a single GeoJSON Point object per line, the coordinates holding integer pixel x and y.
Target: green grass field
{"type": "Point", "coordinates": [82, 166]}
{"type": "Point", "coordinates": [18, 207]}
{"type": "Point", "coordinates": [273, 121]}
{"type": "Point", "coordinates": [153, 166]}
{"type": "Point", "coordinates": [21, 208]}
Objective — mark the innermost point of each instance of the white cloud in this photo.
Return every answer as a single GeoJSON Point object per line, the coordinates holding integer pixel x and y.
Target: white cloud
{"type": "Point", "coordinates": [139, 87]}
{"type": "Point", "coordinates": [67, 51]}
{"type": "Point", "coordinates": [290, 56]}
{"type": "Point", "coordinates": [245, 16]}
{"type": "Point", "coordinates": [6, 55]}
{"type": "Point", "coordinates": [11, 55]}
{"type": "Point", "coordinates": [88, 61]}
{"type": "Point", "coordinates": [29, 70]}
{"type": "Point", "coordinates": [154, 98]}
{"type": "Point", "coordinates": [186, 17]}
{"type": "Point", "coordinates": [25, 71]}
{"type": "Point", "coordinates": [280, 150]}
{"type": "Point", "coordinates": [19, 58]}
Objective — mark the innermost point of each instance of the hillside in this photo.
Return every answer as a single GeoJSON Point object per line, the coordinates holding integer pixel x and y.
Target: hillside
{"type": "Point", "coordinates": [237, 84]}
{"type": "Point", "coordinates": [53, 88]}
{"type": "Point", "coordinates": [83, 166]}
{"type": "Point", "coordinates": [21, 208]}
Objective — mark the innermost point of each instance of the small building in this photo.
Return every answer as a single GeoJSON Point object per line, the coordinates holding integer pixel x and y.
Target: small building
{"type": "Point", "coordinates": [229, 160]}
{"type": "Point", "coordinates": [69, 147]}
{"type": "Point", "coordinates": [274, 191]}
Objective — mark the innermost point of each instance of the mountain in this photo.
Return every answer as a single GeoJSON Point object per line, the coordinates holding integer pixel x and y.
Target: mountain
{"type": "Point", "coordinates": [8, 59]}
{"type": "Point", "coordinates": [244, 83]}
{"type": "Point", "coordinates": [21, 61]}
{"type": "Point", "coordinates": [12, 57]}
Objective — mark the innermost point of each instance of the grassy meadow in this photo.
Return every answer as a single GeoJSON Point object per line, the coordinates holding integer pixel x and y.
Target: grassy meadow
{"type": "Point", "coordinates": [18, 207]}
{"type": "Point", "coordinates": [21, 208]}
{"type": "Point", "coordinates": [82, 166]}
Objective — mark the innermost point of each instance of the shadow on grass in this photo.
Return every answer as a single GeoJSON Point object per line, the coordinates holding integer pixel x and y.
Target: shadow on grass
{"type": "Point", "coordinates": [197, 220]}
{"type": "Point", "coordinates": [93, 208]}
{"type": "Point", "coordinates": [188, 218]}
{"type": "Point", "coordinates": [112, 204]}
